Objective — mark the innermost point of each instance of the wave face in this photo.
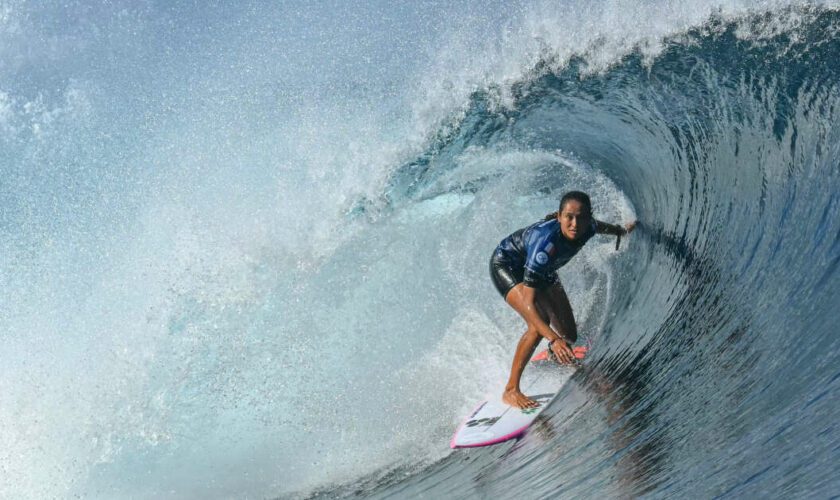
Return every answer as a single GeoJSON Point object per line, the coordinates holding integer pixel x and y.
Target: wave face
{"type": "Point", "coordinates": [237, 268]}
{"type": "Point", "coordinates": [715, 373]}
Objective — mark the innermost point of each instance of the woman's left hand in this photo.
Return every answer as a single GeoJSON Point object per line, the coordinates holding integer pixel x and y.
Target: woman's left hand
{"type": "Point", "coordinates": [630, 226]}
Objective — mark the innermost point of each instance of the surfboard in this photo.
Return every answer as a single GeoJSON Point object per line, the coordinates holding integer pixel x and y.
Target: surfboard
{"type": "Point", "coordinates": [493, 421]}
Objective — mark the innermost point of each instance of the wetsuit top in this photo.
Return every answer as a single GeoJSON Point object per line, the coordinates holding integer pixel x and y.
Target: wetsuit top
{"type": "Point", "coordinates": [541, 249]}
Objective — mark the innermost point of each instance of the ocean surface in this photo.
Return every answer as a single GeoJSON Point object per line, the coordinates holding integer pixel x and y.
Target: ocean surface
{"type": "Point", "coordinates": [243, 246]}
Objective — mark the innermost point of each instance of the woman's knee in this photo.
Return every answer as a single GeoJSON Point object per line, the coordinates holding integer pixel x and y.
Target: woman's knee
{"type": "Point", "coordinates": [531, 334]}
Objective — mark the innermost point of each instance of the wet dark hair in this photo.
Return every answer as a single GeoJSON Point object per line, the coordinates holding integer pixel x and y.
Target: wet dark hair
{"type": "Point", "coordinates": [578, 196]}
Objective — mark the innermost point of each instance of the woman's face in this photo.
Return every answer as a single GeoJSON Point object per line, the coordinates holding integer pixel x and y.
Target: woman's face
{"type": "Point", "coordinates": [574, 219]}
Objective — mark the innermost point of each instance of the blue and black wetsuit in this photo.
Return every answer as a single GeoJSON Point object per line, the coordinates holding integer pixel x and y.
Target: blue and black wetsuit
{"type": "Point", "coordinates": [532, 255]}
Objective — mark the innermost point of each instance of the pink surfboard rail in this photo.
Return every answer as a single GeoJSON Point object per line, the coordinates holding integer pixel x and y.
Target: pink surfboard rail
{"type": "Point", "coordinates": [514, 434]}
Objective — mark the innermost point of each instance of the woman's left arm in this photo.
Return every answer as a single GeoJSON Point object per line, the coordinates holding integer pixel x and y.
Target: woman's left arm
{"type": "Point", "coordinates": [606, 228]}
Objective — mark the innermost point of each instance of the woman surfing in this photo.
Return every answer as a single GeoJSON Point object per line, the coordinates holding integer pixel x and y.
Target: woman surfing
{"type": "Point", "coordinates": [524, 269]}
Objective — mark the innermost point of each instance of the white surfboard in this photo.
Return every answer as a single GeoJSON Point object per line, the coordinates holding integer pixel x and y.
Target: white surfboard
{"type": "Point", "coordinates": [493, 421]}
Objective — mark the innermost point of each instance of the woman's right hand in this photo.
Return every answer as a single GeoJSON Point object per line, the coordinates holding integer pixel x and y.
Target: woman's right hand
{"type": "Point", "coordinates": [562, 351]}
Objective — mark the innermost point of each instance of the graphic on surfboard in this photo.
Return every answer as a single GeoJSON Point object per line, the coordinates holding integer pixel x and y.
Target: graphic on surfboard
{"type": "Point", "coordinates": [494, 422]}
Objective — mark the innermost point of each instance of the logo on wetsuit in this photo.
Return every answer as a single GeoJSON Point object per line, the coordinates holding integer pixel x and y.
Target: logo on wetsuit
{"type": "Point", "coordinates": [542, 258]}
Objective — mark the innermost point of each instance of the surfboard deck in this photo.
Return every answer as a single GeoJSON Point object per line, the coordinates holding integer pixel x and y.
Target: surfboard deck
{"type": "Point", "coordinates": [493, 421]}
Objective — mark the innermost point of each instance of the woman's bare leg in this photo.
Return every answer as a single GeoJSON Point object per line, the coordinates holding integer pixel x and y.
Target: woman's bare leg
{"type": "Point", "coordinates": [554, 307]}
{"type": "Point", "coordinates": [524, 349]}
{"type": "Point", "coordinates": [555, 301]}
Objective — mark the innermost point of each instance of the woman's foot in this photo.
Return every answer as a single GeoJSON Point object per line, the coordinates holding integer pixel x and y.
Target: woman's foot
{"type": "Point", "coordinates": [515, 398]}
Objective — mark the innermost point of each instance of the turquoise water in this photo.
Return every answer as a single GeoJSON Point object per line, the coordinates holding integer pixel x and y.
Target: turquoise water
{"type": "Point", "coordinates": [243, 247]}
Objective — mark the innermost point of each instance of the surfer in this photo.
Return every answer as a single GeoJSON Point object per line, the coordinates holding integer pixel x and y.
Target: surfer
{"type": "Point", "coordinates": [524, 269]}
